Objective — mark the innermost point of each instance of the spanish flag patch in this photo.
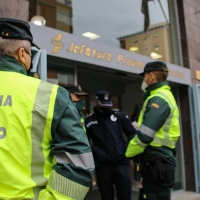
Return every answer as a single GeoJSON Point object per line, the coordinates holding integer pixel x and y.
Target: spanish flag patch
{"type": "Point", "coordinates": [155, 105]}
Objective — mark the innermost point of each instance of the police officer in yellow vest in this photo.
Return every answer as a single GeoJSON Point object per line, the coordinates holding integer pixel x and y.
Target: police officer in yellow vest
{"type": "Point", "coordinates": [44, 151]}
{"type": "Point", "coordinates": [158, 133]}
{"type": "Point", "coordinates": [77, 97]}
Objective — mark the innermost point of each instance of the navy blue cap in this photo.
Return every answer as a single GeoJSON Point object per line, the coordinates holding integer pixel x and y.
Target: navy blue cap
{"type": "Point", "coordinates": [155, 66]}
{"type": "Point", "coordinates": [104, 98]}
{"type": "Point", "coordinates": [16, 29]}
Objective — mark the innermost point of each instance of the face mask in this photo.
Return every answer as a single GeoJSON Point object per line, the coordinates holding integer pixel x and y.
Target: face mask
{"type": "Point", "coordinates": [79, 105]}
{"type": "Point", "coordinates": [144, 86]}
{"type": "Point", "coordinates": [105, 111]}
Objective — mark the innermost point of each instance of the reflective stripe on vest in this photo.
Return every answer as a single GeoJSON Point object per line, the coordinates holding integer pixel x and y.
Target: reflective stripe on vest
{"type": "Point", "coordinates": [146, 130]}
{"type": "Point", "coordinates": [39, 130]}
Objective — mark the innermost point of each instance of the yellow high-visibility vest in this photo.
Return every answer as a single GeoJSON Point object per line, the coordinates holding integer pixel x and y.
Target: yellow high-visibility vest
{"type": "Point", "coordinates": [168, 134]}
{"type": "Point", "coordinates": [26, 118]}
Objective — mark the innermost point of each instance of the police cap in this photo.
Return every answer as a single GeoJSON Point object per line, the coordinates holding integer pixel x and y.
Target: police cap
{"type": "Point", "coordinates": [75, 89]}
{"type": "Point", "coordinates": [155, 66]}
{"type": "Point", "coordinates": [15, 29]}
{"type": "Point", "coordinates": [104, 98]}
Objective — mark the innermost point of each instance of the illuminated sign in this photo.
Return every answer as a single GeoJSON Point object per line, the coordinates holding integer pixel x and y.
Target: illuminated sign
{"type": "Point", "coordinates": [68, 46]}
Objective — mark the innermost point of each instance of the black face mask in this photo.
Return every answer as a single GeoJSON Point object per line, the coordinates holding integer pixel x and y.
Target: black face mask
{"type": "Point", "coordinates": [102, 111]}
{"type": "Point", "coordinates": [105, 110]}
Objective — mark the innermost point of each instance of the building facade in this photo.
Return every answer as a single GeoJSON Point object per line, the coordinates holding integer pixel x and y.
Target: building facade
{"type": "Point", "coordinates": [105, 44]}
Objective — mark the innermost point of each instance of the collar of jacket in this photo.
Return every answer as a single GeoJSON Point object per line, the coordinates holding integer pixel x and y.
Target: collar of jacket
{"type": "Point", "coordinates": [10, 64]}
{"type": "Point", "coordinates": [153, 87]}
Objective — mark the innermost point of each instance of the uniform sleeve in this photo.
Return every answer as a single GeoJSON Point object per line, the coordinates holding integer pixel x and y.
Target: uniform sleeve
{"type": "Point", "coordinates": [156, 113]}
{"type": "Point", "coordinates": [72, 174]}
{"type": "Point", "coordinates": [87, 128]}
{"type": "Point", "coordinates": [127, 126]}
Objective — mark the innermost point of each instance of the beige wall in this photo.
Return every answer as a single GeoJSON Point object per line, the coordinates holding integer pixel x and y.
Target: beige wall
{"type": "Point", "coordinates": [146, 43]}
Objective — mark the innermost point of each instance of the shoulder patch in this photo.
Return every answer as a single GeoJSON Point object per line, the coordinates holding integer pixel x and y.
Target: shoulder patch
{"type": "Point", "coordinates": [155, 105]}
{"type": "Point", "coordinates": [91, 123]}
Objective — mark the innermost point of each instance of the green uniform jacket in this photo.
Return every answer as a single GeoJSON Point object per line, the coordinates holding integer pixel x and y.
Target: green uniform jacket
{"type": "Point", "coordinates": [157, 110]}
{"type": "Point", "coordinates": [42, 156]}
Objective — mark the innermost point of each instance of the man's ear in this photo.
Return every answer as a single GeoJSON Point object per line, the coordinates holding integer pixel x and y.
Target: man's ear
{"type": "Point", "coordinates": [71, 94]}
{"type": "Point", "coordinates": [95, 102]}
{"type": "Point", "coordinates": [21, 53]}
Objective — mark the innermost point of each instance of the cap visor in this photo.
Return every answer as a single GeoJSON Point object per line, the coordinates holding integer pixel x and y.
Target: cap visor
{"type": "Point", "coordinates": [106, 103]}
{"type": "Point", "coordinates": [34, 45]}
{"type": "Point", "coordinates": [141, 74]}
{"type": "Point", "coordinates": [81, 93]}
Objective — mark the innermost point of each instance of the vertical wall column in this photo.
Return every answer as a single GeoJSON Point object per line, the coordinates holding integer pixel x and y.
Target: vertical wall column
{"type": "Point", "coordinates": [187, 138]}
{"type": "Point", "coordinates": [189, 21]}
{"type": "Point", "coordinates": [18, 9]}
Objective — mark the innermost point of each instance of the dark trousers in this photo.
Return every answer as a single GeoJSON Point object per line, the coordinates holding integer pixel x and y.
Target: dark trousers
{"type": "Point", "coordinates": [158, 179]}
{"type": "Point", "coordinates": [140, 194]}
{"type": "Point", "coordinates": [118, 176]}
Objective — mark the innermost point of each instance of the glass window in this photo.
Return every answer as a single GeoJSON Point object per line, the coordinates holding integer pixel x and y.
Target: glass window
{"type": "Point", "coordinates": [63, 17]}
{"type": "Point", "coordinates": [66, 2]}
{"type": "Point", "coordinates": [179, 173]}
{"type": "Point", "coordinates": [123, 24]}
{"type": "Point", "coordinates": [59, 72]}
{"type": "Point", "coordinates": [60, 78]}
{"type": "Point", "coordinates": [118, 18]}
{"type": "Point", "coordinates": [61, 1]}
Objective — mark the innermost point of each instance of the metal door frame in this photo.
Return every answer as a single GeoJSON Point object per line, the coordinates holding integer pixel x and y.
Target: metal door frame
{"type": "Point", "coordinates": [194, 102]}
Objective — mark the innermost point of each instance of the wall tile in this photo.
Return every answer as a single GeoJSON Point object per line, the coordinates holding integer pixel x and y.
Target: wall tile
{"type": "Point", "coordinates": [190, 29]}
{"type": "Point", "coordinates": [196, 51]}
{"type": "Point", "coordinates": [197, 33]}
{"type": "Point", "coordinates": [198, 18]}
{"type": "Point", "coordinates": [189, 12]}
{"type": "Point", "coordinates": [197, 4]}
{"type": "Point", "coordinates": [191, 47]}
{"type": "Point", "coordinates": [17, 9]}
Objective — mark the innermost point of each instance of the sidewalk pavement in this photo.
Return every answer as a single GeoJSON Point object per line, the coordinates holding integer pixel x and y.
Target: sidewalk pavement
{"type": "Point", "coordinates": [185, 195]}
{"type": "Point", "coordinates": [95, 195]}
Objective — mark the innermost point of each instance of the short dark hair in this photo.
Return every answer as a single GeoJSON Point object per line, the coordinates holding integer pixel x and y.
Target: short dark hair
{"type": "Point", "coordinates": [161, 75]}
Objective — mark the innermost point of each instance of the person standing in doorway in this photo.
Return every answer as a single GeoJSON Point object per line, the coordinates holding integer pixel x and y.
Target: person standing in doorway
{"type": "Point", "coordinates": [157, 135]}
{"type": "Point", "coordinates": [105, 129]}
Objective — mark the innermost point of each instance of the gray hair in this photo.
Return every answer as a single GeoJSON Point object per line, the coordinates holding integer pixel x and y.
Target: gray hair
{"type": "Point", "coordinates": [10, 47]}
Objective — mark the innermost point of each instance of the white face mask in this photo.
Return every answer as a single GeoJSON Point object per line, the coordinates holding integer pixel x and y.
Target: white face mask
{"type": "Point", "coordinates": [144, 86]}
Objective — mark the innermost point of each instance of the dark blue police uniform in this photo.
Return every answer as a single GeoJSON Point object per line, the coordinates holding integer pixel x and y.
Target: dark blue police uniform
{"type": "Point", "coordinates": [106, 129]}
